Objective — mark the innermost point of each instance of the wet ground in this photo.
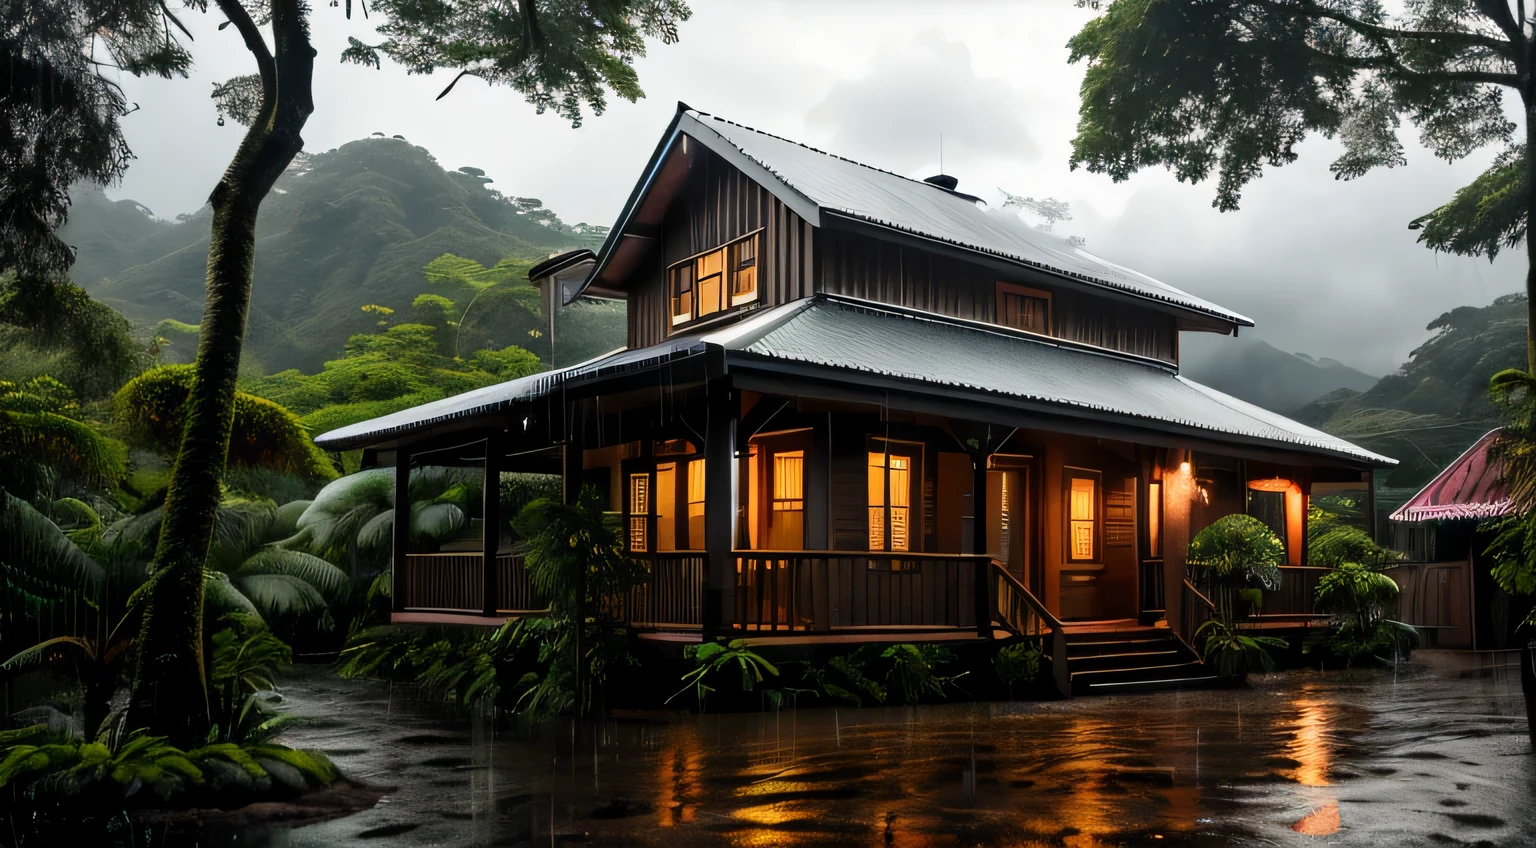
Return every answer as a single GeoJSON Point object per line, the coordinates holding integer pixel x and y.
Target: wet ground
{"type": "Point", "coordinates": [1434, 756]}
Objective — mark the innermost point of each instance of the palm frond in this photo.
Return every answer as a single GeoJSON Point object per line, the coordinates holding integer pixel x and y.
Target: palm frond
{"type": "Point", "coordinates": [221, 597]}
{"type": "Point", "coordinates": [436, 520]}
{"type": "Point", "coordinates": [280, 594]}
{"type": "Point", "coordinates": [330, 580]}
{"type": "Point", "coordinates": [32, 543]}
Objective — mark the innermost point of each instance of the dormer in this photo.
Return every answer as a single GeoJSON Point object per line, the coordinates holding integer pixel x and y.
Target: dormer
{"type": "Point", "coordinates": [728, 220]}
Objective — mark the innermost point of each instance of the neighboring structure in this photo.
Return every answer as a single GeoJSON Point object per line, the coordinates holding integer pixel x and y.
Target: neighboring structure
{"type": "Point", "coordinates": [1447, 585]}
{"type": "Point", "coordinates": [857, 406]}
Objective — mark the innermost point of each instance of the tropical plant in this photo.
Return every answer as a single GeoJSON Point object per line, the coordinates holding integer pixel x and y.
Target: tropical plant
{"type": "Point", "coordinates": [1232, 653]}
{"type": "Point", "coordinates": [94, 343]}
{"type": "Point", "coordinates": [1017, 663]}
{"type": "Point", "coordinates": [1361, 594]}
{"type": "Point", "coordinates": [351, 520]}
{"type": "Point", "coordinates": [44, 442]}
{"type": "Point", "coordinates": [44, 575]}
{"type": "Point", "coordinates": [97, 664]}
{"type": "Point", "coordinates": [914, 671]}
{"type": "Point", "coordinates": [576, 559]}
{"type": "Point", "coordinates": [710, 659]}
{"type": "Point", "coordinates": [1237, 551]}
{"type": "Point", "coordinates": [844, 680]}
{"type": "Point", "coordinates": [243, 699]}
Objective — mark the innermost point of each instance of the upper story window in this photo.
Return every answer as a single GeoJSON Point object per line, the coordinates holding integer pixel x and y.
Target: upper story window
{"type": "Point", "coordinates": [715, 281]}
{"type": "Point", "coordinates": [1024, 308]}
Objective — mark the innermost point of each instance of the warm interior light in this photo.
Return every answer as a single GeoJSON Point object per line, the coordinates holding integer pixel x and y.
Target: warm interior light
{"type": "Point", "coordinates": [1184, 468]}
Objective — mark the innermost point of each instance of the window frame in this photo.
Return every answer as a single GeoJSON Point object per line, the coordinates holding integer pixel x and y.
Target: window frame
{"type": "Point", "coordinates": [1068, 475]}
{"type": "Point", "coordinates": [913, 453]}
{"type": "Point", "coordinates": [731, 268]}
{"type": "Point", "coordinates": [1005, 289]}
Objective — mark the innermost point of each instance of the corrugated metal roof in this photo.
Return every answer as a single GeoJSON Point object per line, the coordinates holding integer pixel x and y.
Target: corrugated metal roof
{"type": "Point", "coordinates": [880, 197]}
{"type": "Point", "coordinates": [1468, 488]}
{"type": "Point", "coordinates": [921, 347]}
{"type": "Point", "coordinates": [493, 398]}
{"type": "Point", "coordinates": [862, 337]}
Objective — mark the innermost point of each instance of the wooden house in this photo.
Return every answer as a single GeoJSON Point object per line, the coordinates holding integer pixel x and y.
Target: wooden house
{"type": "Point", "coordinates": [1448, 591]}
{"type": "Point", "coordinates": [856, 406]}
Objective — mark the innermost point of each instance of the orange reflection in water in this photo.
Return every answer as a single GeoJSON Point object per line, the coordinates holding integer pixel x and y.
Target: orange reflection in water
{"type": "Point", "coordinates": [1311, 744]}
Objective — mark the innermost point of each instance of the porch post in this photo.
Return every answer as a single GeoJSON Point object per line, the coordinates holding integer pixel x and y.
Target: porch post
{"type": "Point", "coordinates": [983, 588]}
{"type": "Point", "coordinates": [719, 510]}
{"type": "Point", "coordinates": [401, 531]}
{"type": "Point", "coordinates": [490, 521]}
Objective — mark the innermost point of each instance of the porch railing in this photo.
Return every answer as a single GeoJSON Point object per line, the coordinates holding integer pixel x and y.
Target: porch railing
{"type": "Point", "coordinates": [821, 591]}
{"type": "Point", "coordinates": [671, 597]}
{"type": "Point", "coordinates": [455, 582]}
{"type": "Point", "coordinates": [1195, 610]}
{"type": "Point", "coordinates": [1298, 588]}
{"type": "Point", "coordinates": [1018, 610]}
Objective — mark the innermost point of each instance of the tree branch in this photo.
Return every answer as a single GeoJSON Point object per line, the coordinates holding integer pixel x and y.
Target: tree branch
{"type": "Point", "coordinates": [1498, 12]}
{"type": "Point", "coordinates": [237, 15]}
{"type": "Point", "coordinates": [1508, 49]}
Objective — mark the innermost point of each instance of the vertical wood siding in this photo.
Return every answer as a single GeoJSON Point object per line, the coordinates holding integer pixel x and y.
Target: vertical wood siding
{"type": "Point", "coordinates": [720, 204]}
{"type": "Point", "coordinates": [863, 267]}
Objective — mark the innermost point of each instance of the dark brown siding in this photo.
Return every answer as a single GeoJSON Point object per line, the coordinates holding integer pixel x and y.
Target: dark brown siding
{"type": "Point", "coordinates": [717, 205]}
{"type": "Point", "coordinates": [863, 267]}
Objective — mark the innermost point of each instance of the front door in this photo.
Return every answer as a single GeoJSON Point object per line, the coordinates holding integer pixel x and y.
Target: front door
{"type": "Point", "coordinates": [1009, 522]}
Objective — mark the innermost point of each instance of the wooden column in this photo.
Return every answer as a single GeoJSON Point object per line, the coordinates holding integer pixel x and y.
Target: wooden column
{"type": "Point", "coordinates": [979, 545]}
{"type": "Point", "coordinates": [402, 526]}
{"type": "Point", "coordinates": [490, 520]}
{"type": "Point", "coordinates": [719, 510]}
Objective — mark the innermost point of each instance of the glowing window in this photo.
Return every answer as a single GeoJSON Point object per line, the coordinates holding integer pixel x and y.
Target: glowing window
{"type": "Point", "coordinates": [696, 504]}
{"type": "Point", "coordinates": [666, 507]}
{"type": "Point", "coordinates": [715, 281]}
{"type": "Point", "coordinates": [1154, 519]}
{"type": "Point", "coordinates": [639, 511]}
{"type": "Point", "coordinates": [1082, 517]}
{"type": "Point", "coordinates": [890, 502]}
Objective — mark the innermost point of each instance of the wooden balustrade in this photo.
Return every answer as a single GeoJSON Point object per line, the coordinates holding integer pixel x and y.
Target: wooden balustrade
{"type": "Point", "coordinates": [1017, 609]}
{"type": "Point", "coordinates": [672, 594]}
{"type": "Point", "coordinates": [820, 591]}
{"type": "Point", "coordinates": [1295, 597]}
{"type": "Point", "coordinates": [441, 583]}
{"type": "Point", "coordinates": [514, 591]}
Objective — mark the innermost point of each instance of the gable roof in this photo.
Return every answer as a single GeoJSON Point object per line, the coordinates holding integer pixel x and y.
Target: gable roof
{"type": "Point", "coordinates": [853, 342]}
{"type": "Point", "coordinates": [1470, 487]}
{"type": "Point", "coordinates": [825, 189]}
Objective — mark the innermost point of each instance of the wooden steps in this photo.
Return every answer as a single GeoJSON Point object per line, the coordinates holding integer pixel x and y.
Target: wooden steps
{"type": "Point", "coordinates": [1116, 658]}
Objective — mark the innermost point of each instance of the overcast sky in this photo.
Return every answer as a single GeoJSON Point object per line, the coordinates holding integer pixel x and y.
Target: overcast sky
{"type": "Point", "coordinates": [1324, 267]}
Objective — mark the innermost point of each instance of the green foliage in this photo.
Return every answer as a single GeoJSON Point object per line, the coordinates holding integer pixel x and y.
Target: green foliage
{"type": "Point", "coordinates": [563, 58]}
{"type": "Point", "coordinates": [914, 671]}
{"type": "Point", "coordinates": [1017, 663]}
{"type": "Point", "coordinates": [175, 341]}
{"type": "Point", "coordinates": [714, 658]}
{"type": "Point", "coordinates": [575, 553]}
{"type": "Point", "coordinates": [1484, 216]}
{"type": "Point", "coordinates": [1239, 548]}
{"type": "Point", "coordinates": [40, 450]}
{"type": "Point", "coordinates": [264, 434]}
{"type": "Point", "coordinates": [96, 343]}
{"type": "Point", "coordinates": [1233, 86]}
{"type": "Point", "coordinates": [243, 664]}
{"type": "Point", "coordinates": [1232, 653]}
{"type": "Point", "coordinates": [508, 363]}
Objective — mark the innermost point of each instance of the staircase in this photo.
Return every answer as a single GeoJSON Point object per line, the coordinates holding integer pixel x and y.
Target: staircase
{"type": "Point", "coordinates": [1120, 657]}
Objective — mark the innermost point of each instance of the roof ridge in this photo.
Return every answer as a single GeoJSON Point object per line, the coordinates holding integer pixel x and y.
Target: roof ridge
{"type": "Point", "coordinates": [826, 153]}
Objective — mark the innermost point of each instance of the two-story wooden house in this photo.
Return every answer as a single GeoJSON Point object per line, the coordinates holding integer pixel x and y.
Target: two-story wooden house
{"type": "Point", "coordinates": [858, 406]}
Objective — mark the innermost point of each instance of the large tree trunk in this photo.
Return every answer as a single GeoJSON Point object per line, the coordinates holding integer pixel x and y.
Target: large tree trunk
{"type": "Point", "coordinates": [169, 688]}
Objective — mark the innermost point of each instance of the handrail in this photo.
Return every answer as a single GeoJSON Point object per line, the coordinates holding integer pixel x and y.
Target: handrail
{"type": "Point", "coordinates": [1029, 598]}
{"type": "Point", "coordinates": [1054, 642]}
{"type": "Point", "coordinates": [866, 554]}
{"type": "Point", "coordinates": [1190, 587]}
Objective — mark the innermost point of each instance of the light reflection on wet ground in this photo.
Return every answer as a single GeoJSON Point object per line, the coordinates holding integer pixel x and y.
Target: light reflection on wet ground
{"type": "Point", "coordinates": [1429, 757]}
{"type": "Point", "coordinates": [1424, 758]}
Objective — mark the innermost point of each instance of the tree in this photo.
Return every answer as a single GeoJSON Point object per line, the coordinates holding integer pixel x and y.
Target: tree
{"type": "Point", "coordinates": [1233, 85]}
{"type": "Point", "coordinates": [60, 124]}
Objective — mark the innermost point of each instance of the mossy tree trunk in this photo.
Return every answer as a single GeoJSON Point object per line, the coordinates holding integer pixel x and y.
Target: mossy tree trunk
{"type": "Point", "coordinates": [169, 689]}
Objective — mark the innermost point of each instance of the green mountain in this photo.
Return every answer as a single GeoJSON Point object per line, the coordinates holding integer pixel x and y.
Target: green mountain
{"type": "Point", "coordinates": [1437, 403]}
{"type": "Point", "coordinates": [343, 229]}
{"type": "Point", "coordinates": [1253, 370]}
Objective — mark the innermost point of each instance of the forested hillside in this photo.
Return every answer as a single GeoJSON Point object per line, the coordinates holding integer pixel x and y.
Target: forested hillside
{"type": "Point", "coordinates": [343, 229]}
{"type": "Point", "coordinates": [1437, 404]}
{"type": "Point", "coordinates": [1256, 371]}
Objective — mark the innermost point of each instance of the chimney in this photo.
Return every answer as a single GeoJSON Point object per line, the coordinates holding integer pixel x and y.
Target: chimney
{"type": "Point", "coordinates": [944, 181]}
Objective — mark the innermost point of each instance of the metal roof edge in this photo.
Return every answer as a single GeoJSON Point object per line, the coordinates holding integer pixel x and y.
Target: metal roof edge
{"type": "Point", "coordinates": [801, 205]}
{"type": "Point", "coordinates": [1436, 479]}
{"type": "Point", "coordinates": [745, 359]}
